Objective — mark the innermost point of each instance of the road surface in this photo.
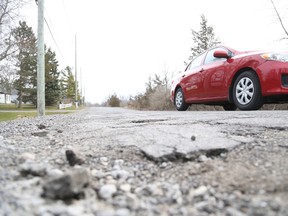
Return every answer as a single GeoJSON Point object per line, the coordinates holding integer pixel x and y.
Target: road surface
{"type": "Point", "coordinates": [114, 161]}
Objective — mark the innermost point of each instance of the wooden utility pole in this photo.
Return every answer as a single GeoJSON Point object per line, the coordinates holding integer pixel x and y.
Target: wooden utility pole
{"type": "Point", "coordinates": [40, 61]}
{"type": "Point", "coordinates": [76, 95]}
{"type": "Point", "coordinates": [81, 93]}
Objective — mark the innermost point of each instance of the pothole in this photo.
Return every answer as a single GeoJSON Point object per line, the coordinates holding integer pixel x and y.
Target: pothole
{"type": "Point", "coordinates": [176, 156]}
{"type": "Point", "coordinates": [141, 121]}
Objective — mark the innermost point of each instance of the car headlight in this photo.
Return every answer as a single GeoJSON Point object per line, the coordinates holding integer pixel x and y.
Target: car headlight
{"type": "Point", "coordinates": [282, 57]}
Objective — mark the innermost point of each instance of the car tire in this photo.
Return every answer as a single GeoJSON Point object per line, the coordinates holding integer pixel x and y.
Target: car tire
{"type": "Point", "coordinates": [247, 91]}
{"type": "Point", "coordinates": [179, 100]}
{"type": "Point", "coordinates": [229, 107]}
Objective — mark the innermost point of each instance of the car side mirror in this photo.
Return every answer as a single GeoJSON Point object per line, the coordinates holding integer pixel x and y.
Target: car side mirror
{"type": "Point", "coordinates": [221, 54]}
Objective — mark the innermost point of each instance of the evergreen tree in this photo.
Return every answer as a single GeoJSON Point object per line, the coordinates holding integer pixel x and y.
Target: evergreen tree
{"type": "Point", "coordinates": [67, 85]}
{"type": "Point", "coordinates": [26, 62]}
{"type": "Point", "coordinates": [52, 82]}
{"type": "Point", "coordinates": [203, 39]}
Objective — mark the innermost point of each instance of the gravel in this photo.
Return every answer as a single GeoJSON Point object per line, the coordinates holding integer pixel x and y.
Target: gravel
{"type": "Point", "coordinates": [57, 165]}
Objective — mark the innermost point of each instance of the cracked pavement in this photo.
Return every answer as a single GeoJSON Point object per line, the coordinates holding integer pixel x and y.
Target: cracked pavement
{"type": "Point", "coordinates": [172, 135]}
{"type": "Point", "coordinates": [115, 161]}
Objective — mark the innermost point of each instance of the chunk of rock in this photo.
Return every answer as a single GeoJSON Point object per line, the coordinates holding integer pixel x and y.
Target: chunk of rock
{"type": "Point", "coordinates": [68, 186]}
{"type": "Point", "coordinates": [41, 126]}
{"type": "Point", "coordinates": [55, 173]}
{"type": "Point", "coordinates": [26, 156]}
{"type": "Point", "coordinates": [32, 168]}
{"type": "Point", "coordinates": [40, 133]}
{"type": "Point", "coordinates": [107, 191]}
{"type": "Point", "coordinates": [120, 174]}
{"type": "Point", "coordinates": [200, 191]}
{"type": "Point", "coordinates": [73, 159]}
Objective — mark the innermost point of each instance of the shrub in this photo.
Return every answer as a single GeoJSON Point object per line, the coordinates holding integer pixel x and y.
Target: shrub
{"type": "Point", "coordinates": [113, 101]}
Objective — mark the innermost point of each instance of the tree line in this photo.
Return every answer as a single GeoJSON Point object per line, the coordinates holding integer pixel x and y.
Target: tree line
{"type": "Point", "coordinates": [18, 62]}
{"type": "Point", "coordinates": [157, 93]}
{"type": "Point", "coordinates": [18, 65]}
{"type": "Point", "coordinates": [156, 96]}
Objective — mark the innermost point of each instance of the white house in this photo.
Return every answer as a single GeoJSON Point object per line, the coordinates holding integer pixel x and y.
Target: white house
{"type": "Point", "coordinates": [14, 96]}
{"type": "Point", "coordinates": [5, 98]}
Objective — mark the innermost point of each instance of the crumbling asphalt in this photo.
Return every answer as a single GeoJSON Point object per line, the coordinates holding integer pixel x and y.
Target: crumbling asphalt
{"type": "Point", "coordinates": [114, 161]}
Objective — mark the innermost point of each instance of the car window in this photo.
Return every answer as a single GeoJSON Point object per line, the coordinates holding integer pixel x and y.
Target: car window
{"type": "Point", "coordinates": [196, 62]}
{"type": "Point", "coordinates": [210, 56]}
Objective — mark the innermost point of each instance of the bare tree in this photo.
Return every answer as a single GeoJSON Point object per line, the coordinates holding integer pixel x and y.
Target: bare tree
{"type": "Point", "coordinates": [9, 16]}
{"type": "Point", "coordinates": [9, 13]}
{"type": "Point", "coordinates": [7, 77]}
{"type": "Point", "coordinates": [280, 20]}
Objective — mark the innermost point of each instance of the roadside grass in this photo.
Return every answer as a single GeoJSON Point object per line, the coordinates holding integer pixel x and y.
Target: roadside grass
{"type": "Point", "coordinates": [27, 111]}
{"type": "Point", "coordinates": [24, 107]}
{"type": "Point", "coordinates": [32, 107]}
{"type": "Point", "coordinates": [14, 107]}
{"type": "Point", "coordinates": [6, 116]}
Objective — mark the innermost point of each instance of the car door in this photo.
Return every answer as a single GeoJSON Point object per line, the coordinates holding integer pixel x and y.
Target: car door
{"type": "Point", "coordinates": [192, 82]}
{"type": "Point", "coordinates": [213, 74]}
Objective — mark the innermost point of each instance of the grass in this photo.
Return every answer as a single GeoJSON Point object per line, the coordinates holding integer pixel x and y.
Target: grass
{"type": "Point", "coordinates": [26, 111]}
{"type": "Point", "coordinates": [14, 107]}
{"type": "Point", "coordinates": [6, 116]}
{"type": "Point", "coordinates": [23, 107]}
{"type": "Point", "coordinates": [31, 107]}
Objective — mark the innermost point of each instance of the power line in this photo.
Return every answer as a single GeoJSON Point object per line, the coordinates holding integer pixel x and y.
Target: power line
{"type": "Point", "coordinates": [50, 31]}
{"type": "Point", "coordinates": [53, 37]}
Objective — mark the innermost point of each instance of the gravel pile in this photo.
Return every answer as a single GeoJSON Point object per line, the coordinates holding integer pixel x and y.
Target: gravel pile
{"type": "Point", "coordinates": [45, 169]}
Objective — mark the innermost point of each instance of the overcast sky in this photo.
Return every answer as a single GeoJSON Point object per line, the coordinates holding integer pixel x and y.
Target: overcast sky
{"type": "Point", "coordinates": [121, 42]}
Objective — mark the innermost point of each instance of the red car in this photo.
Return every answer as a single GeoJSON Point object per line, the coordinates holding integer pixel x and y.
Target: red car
{"type": "Point", "coordinates": [232, 79]}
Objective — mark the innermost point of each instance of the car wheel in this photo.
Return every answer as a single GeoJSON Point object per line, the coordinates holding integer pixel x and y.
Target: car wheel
{"type": "Point", "coordinates": [179, 100]}
{"type": "Point", "coordinates": [247, 92]}
{"type": "Point", "coordinates": [229, 107]}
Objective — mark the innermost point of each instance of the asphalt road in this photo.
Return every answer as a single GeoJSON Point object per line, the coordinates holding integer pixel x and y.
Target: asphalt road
{"type": "Point", "coordinates": [115, 161]}
{"type": "Point", "coordinates": [168, 135]}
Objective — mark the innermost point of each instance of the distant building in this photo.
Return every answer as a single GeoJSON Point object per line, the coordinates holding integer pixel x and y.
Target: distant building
{"type": "Point", "coordinates": [14, 96]}
{"type": "Point", "coordinates": [5, 98]}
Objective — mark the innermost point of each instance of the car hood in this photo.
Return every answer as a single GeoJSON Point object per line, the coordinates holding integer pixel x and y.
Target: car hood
{"type": "Point", "coordinates": [254, 52]}
{"type": "Point", "coordinates": [249, 53]}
